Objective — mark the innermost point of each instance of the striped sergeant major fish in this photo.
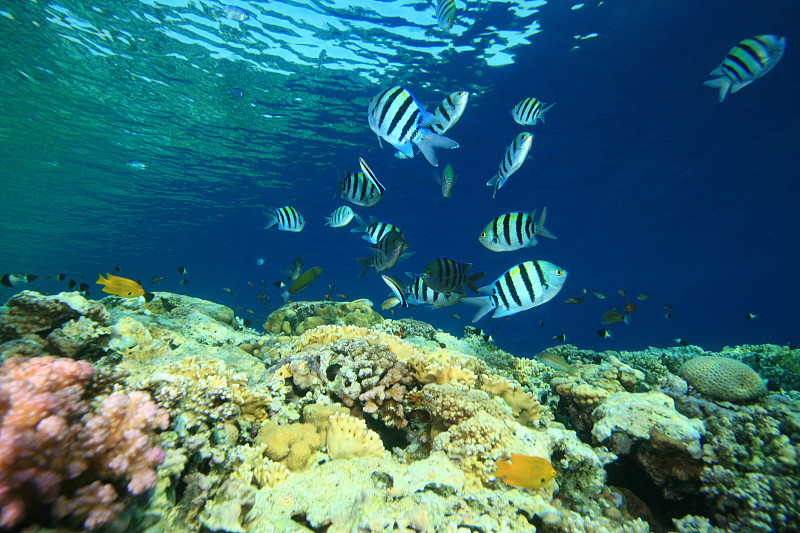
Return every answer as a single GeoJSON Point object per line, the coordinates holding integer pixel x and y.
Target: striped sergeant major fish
{"type": "Point", "coordinates": [529, 110]}
{"type": "Point", "coordinates": [445, 13]}
{"type": "Point", "coordinates": [340, 217]}
{"type": "Point", "coordinates": [444, 274]}
{"type": "Point", "coordinates": [746, 62]}
{"type": "Point", "coordinates": [449, 111]}
{"type": "Point", "coordinates": [375, 231]}
{"type": "Point", "coordinates": [515, 230]}
{"type": "Point", "coordinates": [386, 253]}
{"type": "Point", "coordinates": [397, 117]}
{"type": "Point", "coordinates": [398, 289]}
{"type": "Point", "coordinates": [520, 288]}
{"type": "Point", "coordinates": [287, 218]}
{"type": "Point", "coordinates": [361, 188]}
{"type": "Point", "coordinates": [515, 155]}
{"type": "Point", "coordinates": [419, 293]}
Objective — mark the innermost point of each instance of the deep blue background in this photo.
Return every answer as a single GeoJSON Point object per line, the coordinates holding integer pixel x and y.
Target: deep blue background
{"type": "Point", "coordinates": [651, 185]}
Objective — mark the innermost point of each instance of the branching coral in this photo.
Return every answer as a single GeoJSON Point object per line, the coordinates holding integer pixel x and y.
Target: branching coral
{"type": "Point", "coordinates": [50, 435]}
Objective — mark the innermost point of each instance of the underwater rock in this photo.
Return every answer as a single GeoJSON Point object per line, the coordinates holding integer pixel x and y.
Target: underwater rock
{"type": "Point", "coordinates": [295, 318]}
{"type": "Point", "coordinates": [31, 312]}
{"type": "Point", "coordinates": [723, 378]}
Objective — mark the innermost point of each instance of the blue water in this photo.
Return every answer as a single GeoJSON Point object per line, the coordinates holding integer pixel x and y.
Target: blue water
{"type": "Point", "coordinates": [651, 185]}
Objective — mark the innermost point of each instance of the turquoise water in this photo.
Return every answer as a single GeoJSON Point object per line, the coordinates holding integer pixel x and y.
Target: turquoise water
{"type": "Point", "coordinates": [651, 185]}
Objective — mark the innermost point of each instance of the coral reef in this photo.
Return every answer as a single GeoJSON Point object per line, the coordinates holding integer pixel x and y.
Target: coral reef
{"type": "Point", "coordinates": [295, 318]}
{"type": "Point", "coordinates": [723, 378]}
{"type": "Point", "coordinates": [339, 420]}
{"type": "Point", "coordinates": [57, 450]}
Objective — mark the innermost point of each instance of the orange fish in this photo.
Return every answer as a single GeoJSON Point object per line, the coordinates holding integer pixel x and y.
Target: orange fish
{"type": "Point", "coordinates": [629, 307]}
{"type": "Point", "coordinates": [525, 471]}
{"type": "Point", "coordinates": [127, 288]}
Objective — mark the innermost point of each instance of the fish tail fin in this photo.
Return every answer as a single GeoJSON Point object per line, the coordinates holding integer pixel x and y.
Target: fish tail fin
{"type": "Point", "coordinates": [472, 278]}
{"type": "Point", "coordinates": [539, 229]}
{"type": "Point", "coordinates": [285, 296]}
{"type": "Point", "coordinates": [101, 280]}
{"type": "Point", "coordinates": [627, 320]}
{"type": "Point", "coordinates": [484, 304]}
{"type": "Point", "coordinates": [723, 83]}
{"type": "Point", "coordinates": [361, 226]}
{"type": "Point", "coordinates": [428, 141]}
{"type": "Point", "coordinates": [545, 110]}
{"type": "Point", "coordinates": [497, 182]}
{"type": "Point", "coordinates": [327, 221]}
{"type": "Point", "coordinates": [272, 218]}
{"type": "Point", "coordinates": [365, 263]}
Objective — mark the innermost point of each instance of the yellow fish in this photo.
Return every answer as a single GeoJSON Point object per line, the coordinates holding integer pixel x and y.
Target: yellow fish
{"type": "Point", "coordinates": [127, 288]}
{"type": "Point", "coordinates": [525, 471]}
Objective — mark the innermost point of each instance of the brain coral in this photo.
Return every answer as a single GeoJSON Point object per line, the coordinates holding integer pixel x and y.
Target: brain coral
{"type": "Point", "coordinates": [723, 378]}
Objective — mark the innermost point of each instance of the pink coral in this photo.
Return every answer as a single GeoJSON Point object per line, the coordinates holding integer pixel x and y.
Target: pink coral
{"type": "Point", "coordinates": [49, 434]}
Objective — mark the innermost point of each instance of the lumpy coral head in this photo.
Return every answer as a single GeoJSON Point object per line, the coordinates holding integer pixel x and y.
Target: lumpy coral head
{"type": "Point", "coordinates": [723, 378]}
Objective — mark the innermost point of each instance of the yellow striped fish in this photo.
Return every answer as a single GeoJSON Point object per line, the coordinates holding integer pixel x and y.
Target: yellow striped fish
{"type": "Point", "coordinates": [445, 13]}
{"type": "Point", "coordinates": [746, 62]}
{"type": "Point", "coordinates": [287, 218]}
{"type": "Point", "coordinates": [520, 288]}
{"type": "Point", "coordinates": [515, 155]}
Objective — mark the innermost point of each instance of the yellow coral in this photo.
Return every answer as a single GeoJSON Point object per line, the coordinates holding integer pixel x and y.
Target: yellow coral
{"type": "Point", "coordinates": [435, 373]}
{"type": "Point", "coordinates": [348, 436]}
{"type": "Point", "coordinates": [292, 445]}
{"type": "Point", "coordinates": [526, 408]}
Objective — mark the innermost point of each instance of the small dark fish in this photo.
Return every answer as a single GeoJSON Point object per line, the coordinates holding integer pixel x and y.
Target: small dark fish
{"type": "Point", "coordinates": [294, 271]}
{"type": "Point", "coordinates": [487, 339]}
{"type": "Point", "coordinates": [574, 300]}
{"type": "Point", "coordinates": [541, 323]}
{"type": "Point", "coordinates": [642, 297]}
{"type": "Point", "coordinates": [559, 338]}
{"type": "Point", "coordinates": [184, 281]}
{"type": "Point", "coordinates": [60, 277]}
{"type": "Point", "coordinates": [612, 317]}
{"type": "Point", "coordinates": [250, 284]}
{"type": "Point", "coordinates": [668, 315]}
{"type": "Point", "coordinates": [117, 270]}
{"type": "Point", "coordinates": [605, 333]}
{"type": "Point", "coordinates": [456, 316]}
{"type": "Point", "coordinates": [629, 307]}
{"type": "Point", "coordinates": [750, 316]}
{"type": "Point", "coordinates": [343, 296]}
{"type": "Point", "coordinates": [445, 274]}
{"type": "Point", "coordinates": [260, 296]}
{"type": "Point", "coordinates": [622, 293]}
{"type": "Point", "coordinates": [226, 289]}
{"type": "Point", "coordinates": [71, 284]}
{"type": "Point", "coordinates": [681, 342]}
{"type": "Point", "coordinates": [234, 92]}
{"type": "Point", "coordinates": [12, 280]}
{"type": "Point", "coordinates": [599, 295]}
{"type": "Point", "coordinates": [156, 279]}
{"type": "Point", "coordinates": [83, 287]}
{"type": "Point", "coordinates": [250, 311]}
{"type": "Point", "coordinates": [246, 322]}
{"type": "Point", "coordinates": [667, 306]}
{"type": "Point", "coordinates": [182, 271]}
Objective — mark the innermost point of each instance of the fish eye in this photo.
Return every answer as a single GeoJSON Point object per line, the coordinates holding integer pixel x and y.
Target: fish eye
{"type": "Point", "coordinates": [483, 235]}
{"type": "Point", "coordinates": [559, 272]}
